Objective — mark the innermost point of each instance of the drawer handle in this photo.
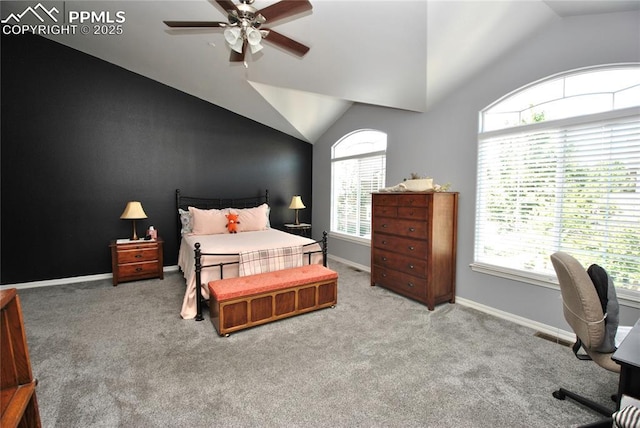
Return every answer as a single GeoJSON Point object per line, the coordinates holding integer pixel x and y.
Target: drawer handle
{"type": "Point", "coordinates": [411, 247]}
{"type": "Point", "coordinates": [384, 274]}
{"type": "Point", "coordinates": [412, 229]}
{"type": "Point", "coordinates": [384, 242]}
{"type": "Point", "coordinates": [410, 284]}
{"type": "Point", "coordinates": [139, 269]}
{"type": "Point", "coordinates": [384, 259]}
{"type": "Point", "coordinates": [385, 225]}
{"type": "Point", "coordinates": [411, 267]}
{"type": "Point", "coordinates": [138, 256]}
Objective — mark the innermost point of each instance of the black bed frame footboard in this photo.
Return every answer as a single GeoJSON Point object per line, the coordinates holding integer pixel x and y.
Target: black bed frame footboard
{"type": "Point", "coordinates": [199, 254]}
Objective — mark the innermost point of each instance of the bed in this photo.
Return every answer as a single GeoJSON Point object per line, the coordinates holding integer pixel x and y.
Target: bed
{"type": "Point", "coordinates": [208, 252]}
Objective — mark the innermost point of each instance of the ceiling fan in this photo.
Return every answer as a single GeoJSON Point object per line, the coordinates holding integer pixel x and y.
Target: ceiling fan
{"type": "Point", "coordinates": [245, 26]}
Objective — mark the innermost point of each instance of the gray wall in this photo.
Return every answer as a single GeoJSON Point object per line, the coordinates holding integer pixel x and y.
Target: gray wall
{"type": "Point", "coordinates": [442, 143]}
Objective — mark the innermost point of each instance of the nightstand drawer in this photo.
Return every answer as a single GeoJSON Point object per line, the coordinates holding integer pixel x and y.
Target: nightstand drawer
{"type": "Point", "coordinates": [137, 255]}
{"type": "Point", "coordinates": [135, 260]}
{"type": "Point", "coordinates": [137, 269]}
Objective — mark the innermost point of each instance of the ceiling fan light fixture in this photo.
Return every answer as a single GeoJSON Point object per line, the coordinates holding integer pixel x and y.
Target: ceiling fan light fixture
{"type": "Point", "coordinates": [244, 26]}
{"type": "Point", "coordinates": [233, 36]}
{"type": "Point", "coordinates": [253, 36]}
{"type": "Point", "coordinates": [255, 47]}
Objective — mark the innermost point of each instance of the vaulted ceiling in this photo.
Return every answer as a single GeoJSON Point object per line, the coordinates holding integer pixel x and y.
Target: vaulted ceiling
{"type": "Point", "coordinates": [400, 54]}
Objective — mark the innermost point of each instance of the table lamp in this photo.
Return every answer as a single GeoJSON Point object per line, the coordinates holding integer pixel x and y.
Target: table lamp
{"type": "Point", "coordinates": [133, 211]}
{"type": "Point", "coordinates": [296, 204]}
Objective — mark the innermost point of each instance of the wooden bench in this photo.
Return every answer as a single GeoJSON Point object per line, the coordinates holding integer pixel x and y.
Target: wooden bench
{"type": "Point", "coordinates": [247, 301]}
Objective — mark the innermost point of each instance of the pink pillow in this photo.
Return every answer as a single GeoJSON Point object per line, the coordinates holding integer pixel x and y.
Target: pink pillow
{"type": "Point", "coordinates": [208, 222]}
{"type": "Point", "coordinates": [253, 218]}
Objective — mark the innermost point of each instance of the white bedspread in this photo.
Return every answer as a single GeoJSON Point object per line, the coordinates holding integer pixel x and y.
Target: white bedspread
{"type": "Point", "coordinates": [233, 244]}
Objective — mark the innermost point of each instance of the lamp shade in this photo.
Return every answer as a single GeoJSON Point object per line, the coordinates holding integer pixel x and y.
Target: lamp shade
{"type": "Point", "coordinates": [133, 211]}
{"type": "Point", "coordinates": [234, 38]}
{"type": "Point", "coordinates": [296, 203]}
{"type": "Point", "coordinates": [254, 37]}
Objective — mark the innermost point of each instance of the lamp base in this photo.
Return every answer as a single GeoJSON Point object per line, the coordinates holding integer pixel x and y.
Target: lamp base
{"type": "Point", "coordinates": [135, 235]}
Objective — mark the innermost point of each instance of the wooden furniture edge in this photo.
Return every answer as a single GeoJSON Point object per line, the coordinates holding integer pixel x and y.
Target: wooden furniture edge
{"type": "Point", "coordinates": [216, 308]}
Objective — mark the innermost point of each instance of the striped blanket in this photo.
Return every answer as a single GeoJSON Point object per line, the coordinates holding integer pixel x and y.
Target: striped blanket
{"type": "Point", "coordinates": [261, 261]}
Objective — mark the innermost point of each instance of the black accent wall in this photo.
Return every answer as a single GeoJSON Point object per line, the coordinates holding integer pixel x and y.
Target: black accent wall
{"type": "Point", "coordinates": [80, 137]}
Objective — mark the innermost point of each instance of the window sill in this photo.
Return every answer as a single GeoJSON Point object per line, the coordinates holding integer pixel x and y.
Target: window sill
{"type": "Point", "coordinates": [625, 297]}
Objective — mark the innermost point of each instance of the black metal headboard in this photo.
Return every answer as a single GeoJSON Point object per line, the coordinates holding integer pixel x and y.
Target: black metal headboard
{"type": "Point", "coordinates": [185, 202]}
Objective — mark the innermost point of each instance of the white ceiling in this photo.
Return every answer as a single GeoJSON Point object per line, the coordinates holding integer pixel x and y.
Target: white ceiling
{"type": "Point", "coordinates": [401, 54]}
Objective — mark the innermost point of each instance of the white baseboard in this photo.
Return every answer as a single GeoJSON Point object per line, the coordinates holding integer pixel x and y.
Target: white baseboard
{"type": "Point", "coordinates": [537, 326]}
{"type": "Point", "coordinates": [72, 280]}
{"type": "Point", "coordinates": [350, 263]}
{"type": "Point", "coordinates": [543, 328]}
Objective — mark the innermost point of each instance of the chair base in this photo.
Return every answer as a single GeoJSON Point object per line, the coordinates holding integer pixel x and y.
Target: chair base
{"type": "Point", "coordinates": [562, 393]}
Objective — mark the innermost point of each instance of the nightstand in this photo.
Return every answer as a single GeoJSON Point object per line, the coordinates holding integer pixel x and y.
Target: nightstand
{"type": "Point", "coordinates": [133, 260]}
{"type": "Point", "coordinates": [302, 229]}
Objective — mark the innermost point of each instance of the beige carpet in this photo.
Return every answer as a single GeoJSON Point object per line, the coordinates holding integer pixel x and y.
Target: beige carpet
{"type": "Point", "coordinates": [121, 357]}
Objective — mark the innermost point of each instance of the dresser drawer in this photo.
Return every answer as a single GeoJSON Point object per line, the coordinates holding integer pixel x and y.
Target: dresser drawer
{"type": "Point", "coordinates": [385, 211]}
{"type": "Point", "coordinates": [414, 199]}
{"type": "Point", "coordinates": [409, 228]}
{"type": "Point", "coordinates": [415, 213]}
{"type": "Point", "coordinates": [400, 282]}
{"type": "Point", "coordinates": [385, 199]}
{"type": "Point", "coordinates": [137, 255]}
{"type": "Point", "coordinates": [410, 247]}
{"type": "Point", "coordinates": [400, 263]}
{"type": "Point", "coordinates": [132, 270]}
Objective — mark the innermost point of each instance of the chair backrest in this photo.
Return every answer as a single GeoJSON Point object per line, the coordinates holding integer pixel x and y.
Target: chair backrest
{"type": "Point", "coordinates": [581, 304]}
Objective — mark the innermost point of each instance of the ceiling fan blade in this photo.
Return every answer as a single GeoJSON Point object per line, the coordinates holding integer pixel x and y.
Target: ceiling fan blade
{"type": "Point", "coordinates": [286, 43]}
{"type": "Point", "coordinates": [227, 5]}
{"type": "Point", "coordinates": [284, 9]}
{"type": "Point", "coordinates": [195, 24]}
{"type": "Point", "coordinates": [238, 57]}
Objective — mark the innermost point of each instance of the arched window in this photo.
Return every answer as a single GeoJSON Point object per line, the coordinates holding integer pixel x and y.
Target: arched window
{"type": "Point", "coordinates": [558, 170]}
{"type": "Point", "coordinates": [358, 168]}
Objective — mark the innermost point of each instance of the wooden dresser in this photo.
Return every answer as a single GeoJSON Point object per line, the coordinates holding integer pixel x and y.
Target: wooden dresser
{"type": "Point", "coordinates": [18, 402]}
{"type": "Point", "coordinates": [135, 260]}
{"type": "Point", "coordinates": [413, 244]}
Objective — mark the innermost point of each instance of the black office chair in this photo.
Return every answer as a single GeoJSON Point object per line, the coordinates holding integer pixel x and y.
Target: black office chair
{"type": "Point", "coordinates": [583, 311]}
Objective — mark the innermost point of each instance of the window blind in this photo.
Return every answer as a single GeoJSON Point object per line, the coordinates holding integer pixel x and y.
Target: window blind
{"type": "Point", "coordinates": [353, 180]}
{"type": "Point", "coordinates": [570, 185]}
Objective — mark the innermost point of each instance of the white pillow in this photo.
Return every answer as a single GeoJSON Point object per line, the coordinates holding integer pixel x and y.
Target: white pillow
{"type": "Point", "coordinates": [208, 222]}
{"type": "Point", "coordinates": [251, 219]}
